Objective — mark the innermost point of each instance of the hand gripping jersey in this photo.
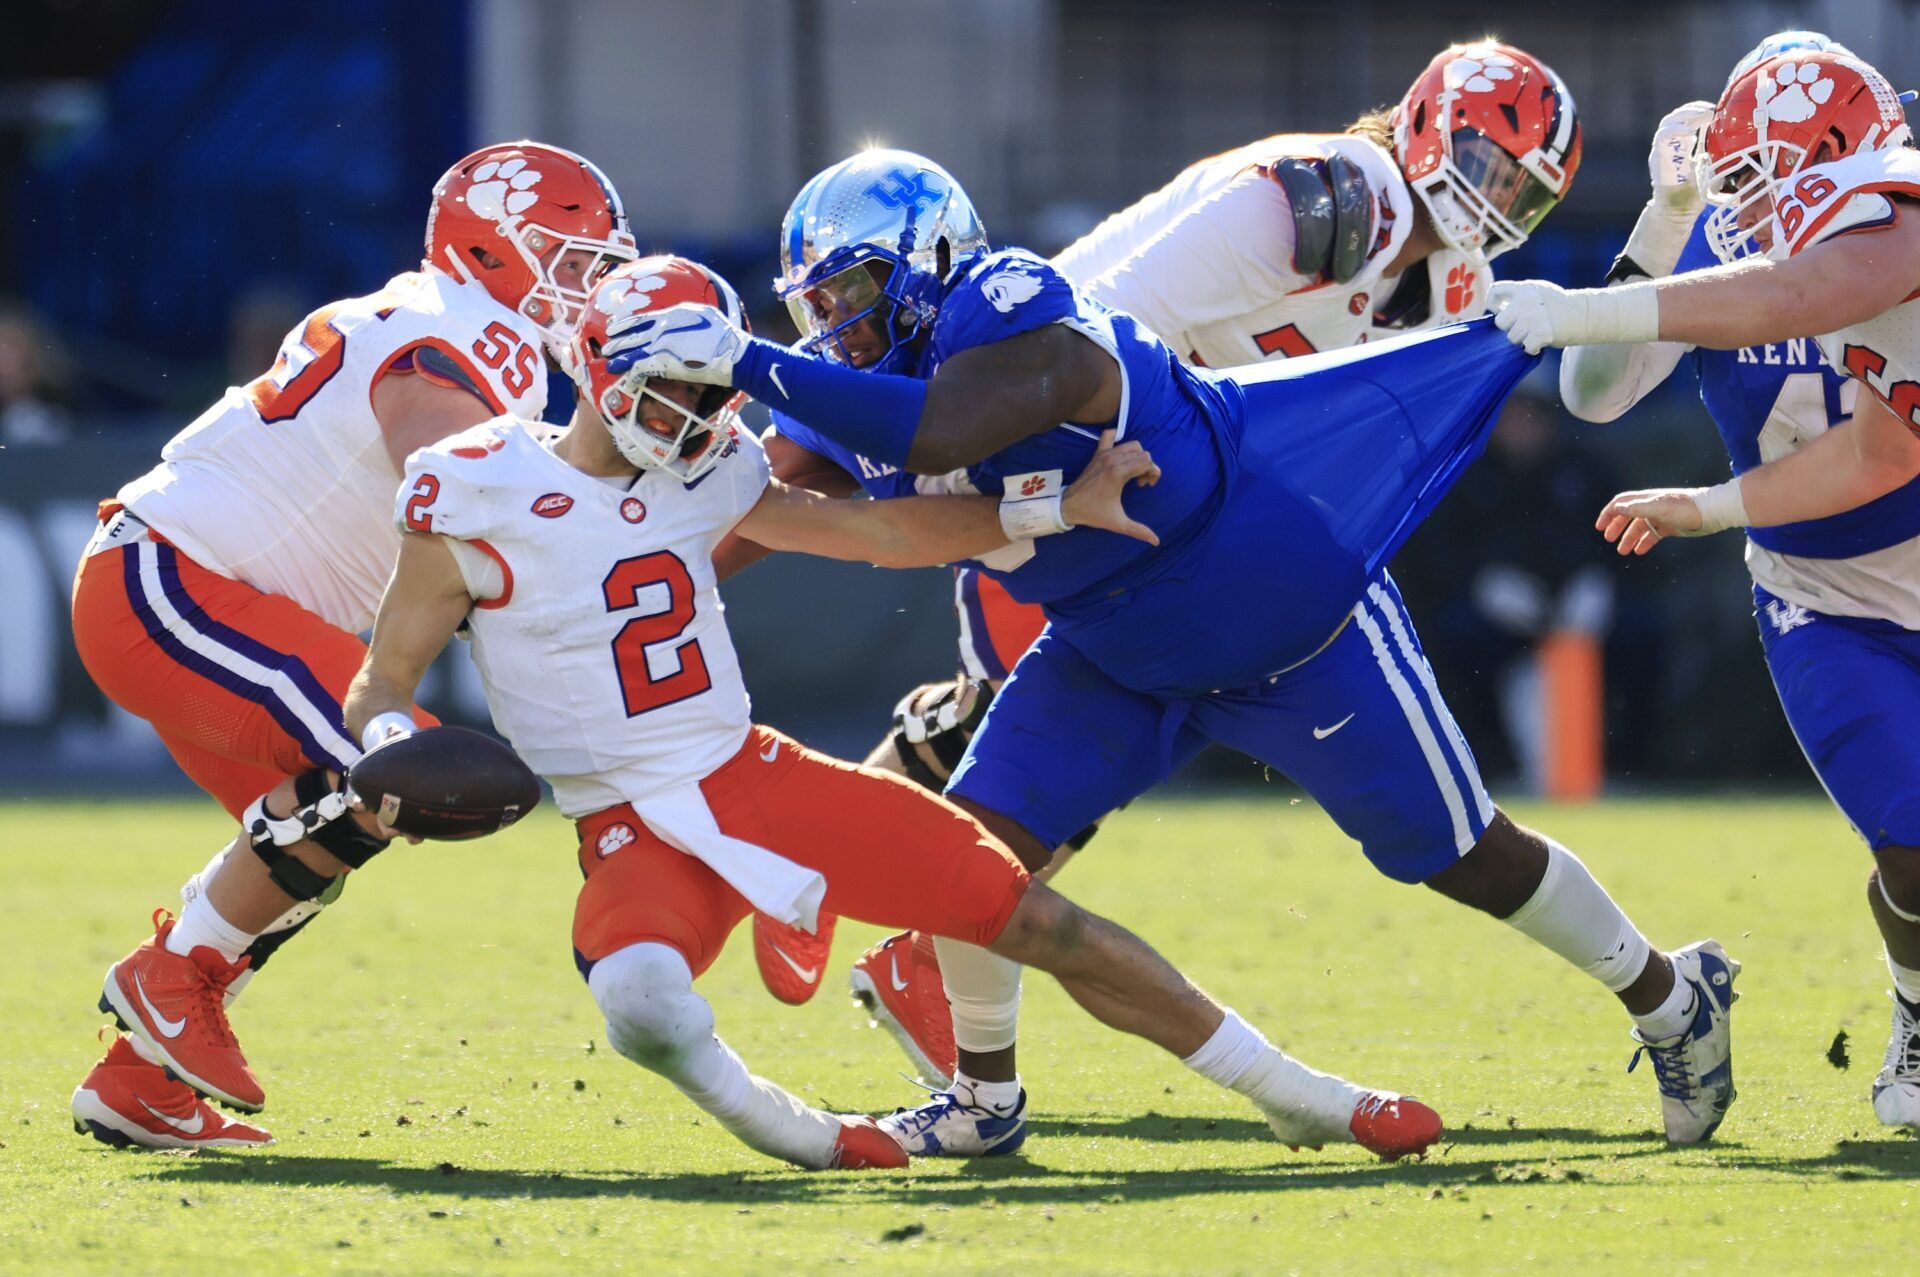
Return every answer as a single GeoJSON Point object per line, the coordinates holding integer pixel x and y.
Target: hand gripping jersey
{"type": "Point", "coordinates": [603, 648]}
{"type": "Point", "coordinates": [1769, 401]}
{"type": "Point", "coordinates": [1208, 261]}
{"type": "Point", "coordinates": [1283, 488]}
{"type": "Point", "coordinates": [285, 484]}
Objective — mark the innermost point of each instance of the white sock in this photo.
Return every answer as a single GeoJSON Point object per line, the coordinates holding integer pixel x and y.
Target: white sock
{"type": "Point", "coordinates": [1906, 981]}
{"type": "Point", "coordinates": [999, 1098]}
{"type": "Point", "coordinates": [761, 1114]}
{"type": "Point", "coordinates": [201, 926]}
{"type": "Point", "coordinates": [984, 991]}
{"type": "Point", "coordinates": [1572, 914]}
{"type": "Point", "coordinates": [655, 1019]}
{"type": "Point", "coordinates": [1671, 1018]}
{"type": "Point", "coordinates": [1319, 1106]}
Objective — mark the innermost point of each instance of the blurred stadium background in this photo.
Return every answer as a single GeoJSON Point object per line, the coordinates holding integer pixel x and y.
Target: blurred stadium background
{"type": "Point", "coordinates": [180, 182]}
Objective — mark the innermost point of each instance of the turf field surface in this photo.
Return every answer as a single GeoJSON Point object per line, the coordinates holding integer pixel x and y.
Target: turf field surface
{"type": "Point", "coordinates": [445, 1101]}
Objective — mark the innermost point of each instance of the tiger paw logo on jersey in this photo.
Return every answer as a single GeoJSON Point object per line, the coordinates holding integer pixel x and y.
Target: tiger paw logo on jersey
{"type": "Point", "coordinates": [612, 839]}
{"type": "Point", "coordinates": [552, 505]}
{"type": "Point", "coordinates": [633, 510]}
{"type": "Point", "coordinates": [1479, 75]}
{"type": "Point", "coordinates": [1793, 93]}
{"type": "Point", "coordinates": [1460, 282]}
{"type": "Point", "coordinates": [1011, 285]}
{"type": "Point", "coordinates": [503, 188]}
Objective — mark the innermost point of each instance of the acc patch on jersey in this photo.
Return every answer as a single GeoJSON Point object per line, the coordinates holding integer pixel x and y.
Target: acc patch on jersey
{"type": "Point", "coordinates": [552, 505]}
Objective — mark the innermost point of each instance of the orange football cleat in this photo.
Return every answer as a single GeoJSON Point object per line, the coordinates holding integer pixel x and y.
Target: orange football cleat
{"type": "Point", "coordinates": [1394, 1126]}
{"type": "Point", "coordinates": [863, 1146]}
{"type": "Point", "coordinates": [128, 1102]}
{"type": "Point", "coordinates": [791, 960]}
{"type": "Point", "coordinates": [177, 1006]}
{"type": "Point", "coordinates": [898, 981]}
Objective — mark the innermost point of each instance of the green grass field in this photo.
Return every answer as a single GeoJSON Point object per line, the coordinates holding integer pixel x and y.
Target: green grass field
{"type": "Point", "coordinates": [445, 1102]}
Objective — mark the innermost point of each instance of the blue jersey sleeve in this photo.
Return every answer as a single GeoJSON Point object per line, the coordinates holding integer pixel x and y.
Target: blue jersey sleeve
{"type": "Point", "coordinates": [877, 478]}
{"type": "Point", "coordinates": [1698, 254]}
{"type": "Point", "coordinates": [1002, 295]}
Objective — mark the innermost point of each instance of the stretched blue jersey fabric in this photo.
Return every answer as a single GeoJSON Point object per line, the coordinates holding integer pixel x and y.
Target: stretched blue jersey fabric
{"type": "Point", "coordinates": [1741, 389]}
{"type": "Point", "coordinates": [1284, 487]}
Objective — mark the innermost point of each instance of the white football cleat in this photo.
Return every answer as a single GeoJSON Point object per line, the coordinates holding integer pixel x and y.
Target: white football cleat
{"type": "Point", "coordinates": [1695, 1068]}
{"type": "Point", "coordinates": [953, 1124]}
{"type": "Point", "coordinates": [1896, 1091]}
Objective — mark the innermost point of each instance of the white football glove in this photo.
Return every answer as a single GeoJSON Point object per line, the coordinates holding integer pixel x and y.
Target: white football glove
{"type": "Point", "coordinates": [1536, 314]}
{"type": "Point", "coordinates": [1675, 152]}
{"type": "Point", "coordinates": [687, 342]}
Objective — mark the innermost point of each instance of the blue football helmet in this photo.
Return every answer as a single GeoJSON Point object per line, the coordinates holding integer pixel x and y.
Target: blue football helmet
{"type": "Point", "coordinates": [873, 237]}
{"type": "Point", "coordinates": [1786, 42]}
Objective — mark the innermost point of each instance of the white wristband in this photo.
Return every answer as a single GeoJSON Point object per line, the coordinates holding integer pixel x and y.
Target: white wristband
{"type": "Point", "coordinates": [383, 727]}
{"type": "Point", "coordinates": [1721, 507]}
{"type": "Point", "coordinates": [1030, 506]}
{"type": "Point", "coordinates": [1626, 315]}
{"type": "Point", "coordinates": [1658, 238]}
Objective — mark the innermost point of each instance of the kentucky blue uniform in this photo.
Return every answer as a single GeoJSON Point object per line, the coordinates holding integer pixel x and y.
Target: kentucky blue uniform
{"type": "Point", "coordinates": [1265, 620]}
{"type": "Point", "coordinates": [1850, 685]}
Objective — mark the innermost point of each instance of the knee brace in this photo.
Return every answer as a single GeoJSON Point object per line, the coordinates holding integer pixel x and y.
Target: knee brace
{"type": "Point", "coordinates": [932, 726]}
{"type": "Point", "coordinates": [645, 991]}
{"type": "Point", "coordinates": [320, 815]}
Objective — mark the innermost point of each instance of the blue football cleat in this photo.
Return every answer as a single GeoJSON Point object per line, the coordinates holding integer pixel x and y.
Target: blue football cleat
{"type": "Point", "coordinates": [952, 1124]}
{"type": "Point", "coordinates": [1695, 1068]}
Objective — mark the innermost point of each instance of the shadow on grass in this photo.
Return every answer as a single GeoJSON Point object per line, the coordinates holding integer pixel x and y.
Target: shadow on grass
{"type": "Point", "coordinates": [1013, 1179]}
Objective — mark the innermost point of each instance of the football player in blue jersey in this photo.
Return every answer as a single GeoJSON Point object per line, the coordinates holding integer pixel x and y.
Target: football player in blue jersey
{"type": "Point", "coordinates": [1264, 620]}
{"type": "Point", "coordinates": [1837, 599]}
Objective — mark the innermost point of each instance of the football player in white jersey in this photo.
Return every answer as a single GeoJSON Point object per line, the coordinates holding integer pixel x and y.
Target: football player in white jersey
{"type": "Point", "coordinates": [221, 597]}
{"type": "Point", "coordinates": [1814, 186]}
{"type": "Point", "coordinates": [582, 563]}
{"type": "Point", "coordinates": [1296, 243]}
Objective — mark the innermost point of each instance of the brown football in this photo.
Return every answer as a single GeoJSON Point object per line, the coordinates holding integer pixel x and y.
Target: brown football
{"type": "Point", "coordinates": [445, 783]}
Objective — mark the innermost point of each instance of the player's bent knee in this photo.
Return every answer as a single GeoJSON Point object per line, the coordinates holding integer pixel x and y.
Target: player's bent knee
{"type": "Point", "coordinates": [1045, 930]}
{"type": "Point", "coordinates": [645, 991]}
{"type": "Point", "coordinates": [1896, 877]}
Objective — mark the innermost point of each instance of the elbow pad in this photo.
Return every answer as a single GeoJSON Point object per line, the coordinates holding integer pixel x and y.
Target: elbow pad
{"type": "Point", "coordinates": [1333, 212]}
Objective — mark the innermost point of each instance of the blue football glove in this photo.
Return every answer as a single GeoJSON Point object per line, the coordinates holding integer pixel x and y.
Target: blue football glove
{"type": "Point", "coordinates": [687, 342]}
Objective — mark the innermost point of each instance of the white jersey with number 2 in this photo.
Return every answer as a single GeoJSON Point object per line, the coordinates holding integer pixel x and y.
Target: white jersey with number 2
{"type": "Point", "coordinates": [600, 637]}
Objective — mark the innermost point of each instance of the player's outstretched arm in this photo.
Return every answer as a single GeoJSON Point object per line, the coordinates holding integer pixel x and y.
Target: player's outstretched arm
{"type": "Point", "coordinates": [1848, 466]}
{"type": "Point", "coordinates": [911, 532]}
{"type": "Point", "coordinates": [1824, 288]}
{"type": "Point", "coordinates": [425, 602]}
{"type": "Point", "coordinates": [979, 401]}
{"type": "Point", "coordinates": [793, 465]}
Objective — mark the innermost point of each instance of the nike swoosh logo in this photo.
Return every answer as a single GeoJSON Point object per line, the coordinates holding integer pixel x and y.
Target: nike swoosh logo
{"type": "Point", "coordinates": [898, 983]}
{"type": "Point", "coordinates": [808, 974]}
{"type": "Point", "coordinates": [185, 1128]}
{"type": "Point", "coordinates": [1321, 733]}
{"type": "Point", "coordinates": [773, 375]}
{"type": "Point", "coordinates": [168, 1028]}
{"type": "Point", "coordinates": [698, 325]}
{"type": "Point", "coordinates": [768, 757]}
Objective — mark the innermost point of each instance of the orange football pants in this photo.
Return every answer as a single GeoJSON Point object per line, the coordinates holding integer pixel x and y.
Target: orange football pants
{"type": "Point", "coordinates": [244, 688]}
{"type": "Point", "coordinates": [892, 854]}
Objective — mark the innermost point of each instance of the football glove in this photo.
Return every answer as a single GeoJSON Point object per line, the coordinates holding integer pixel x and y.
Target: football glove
{"type": "Point", "coordinates": [688, 342]}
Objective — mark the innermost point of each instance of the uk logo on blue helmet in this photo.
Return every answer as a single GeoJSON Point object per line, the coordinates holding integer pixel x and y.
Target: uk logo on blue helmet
{"type": "Point", "coordinates": [864, 251]}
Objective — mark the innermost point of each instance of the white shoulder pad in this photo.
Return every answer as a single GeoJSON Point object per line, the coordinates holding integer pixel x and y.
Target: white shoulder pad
{"type": "Point", "coordinates": [446, 484]}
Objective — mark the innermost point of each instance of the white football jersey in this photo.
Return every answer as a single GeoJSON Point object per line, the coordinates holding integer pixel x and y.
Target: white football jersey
{"type": "Point", "coordinates": [1206, 260]}
{"type": "Point", "coordinates": [285, 483]}
{"type": "Point", "coordinates": [604, 654]}
{"type": "Point", "coordinates": [1881, 354]}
